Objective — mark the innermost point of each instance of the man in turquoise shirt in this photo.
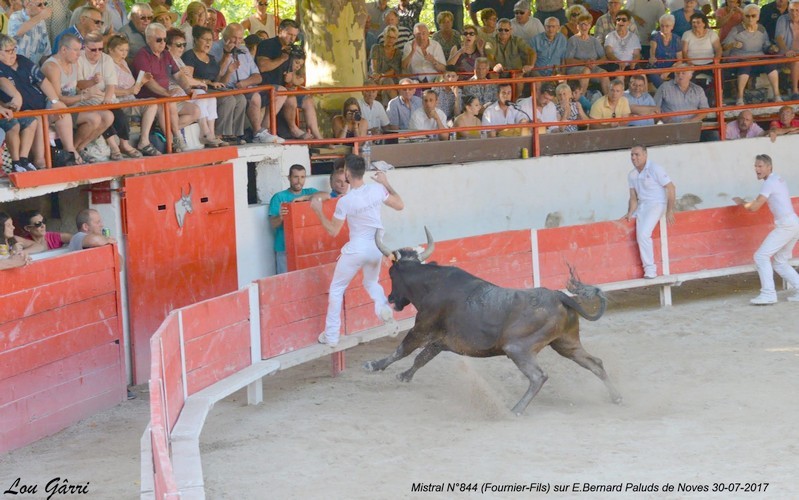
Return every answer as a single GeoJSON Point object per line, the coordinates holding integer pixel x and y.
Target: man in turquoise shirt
{"type": "Point", "coordinates": [277, 210]}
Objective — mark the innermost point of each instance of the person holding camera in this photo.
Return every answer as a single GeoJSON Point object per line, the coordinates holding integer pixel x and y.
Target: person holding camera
{"type": "Point", "coordinates": [350, 123]}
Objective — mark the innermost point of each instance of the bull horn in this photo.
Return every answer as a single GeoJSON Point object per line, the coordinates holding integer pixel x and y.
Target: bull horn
{"type": "Point", "coordinates": [181, 192]}
{"type": "Point", "coordinates": [190, 189]}
{"type": "Point", "coordinates": [431, 245]}
{"type": "Point", "coordinates": [380, 246]}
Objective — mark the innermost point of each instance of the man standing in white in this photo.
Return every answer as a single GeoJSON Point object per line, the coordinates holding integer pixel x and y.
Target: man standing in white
{"type": "Point", "coordinates": [780, 241]}
{"type": "Point", "coordinates": [360, 207]}
{"type": "Point", "coordinates": [651, 193]}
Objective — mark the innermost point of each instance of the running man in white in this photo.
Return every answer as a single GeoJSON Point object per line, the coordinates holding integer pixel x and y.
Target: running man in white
{"type": "Point", "coordinates": [651, 194]}
{"type": "Point", "coordinates": [360, 207]}
{"type": "Point", "coordinates": [780, 241]}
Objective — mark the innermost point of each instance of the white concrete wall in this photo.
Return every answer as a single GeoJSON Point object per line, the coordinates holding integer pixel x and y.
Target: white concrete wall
{"type": "Point", "coordinates": [478, 198]}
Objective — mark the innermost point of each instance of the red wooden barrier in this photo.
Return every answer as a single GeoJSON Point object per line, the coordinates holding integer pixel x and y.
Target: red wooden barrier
{"type": "Point", "coordinates": [216, 336]}
{"type": "Point", "coordinates": [61, 357]}
{"type": "Point", "coordinates": [171, 366]}
{"type": "Point", "coordinates": [307, 242]}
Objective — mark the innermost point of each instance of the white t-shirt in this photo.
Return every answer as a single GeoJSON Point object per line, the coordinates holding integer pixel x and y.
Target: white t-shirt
{"type": "Point", "coordinates": [375, 114]}
{"type": "Point", "coordinates": [775, 190]}
{"type": "Point", "coordinates": [360, 207]}
{"type": "Point", "coordinates": [420, 120]}
{"type": "Point", "coordinates": [548, 114]}
{"type": "Point", "coordinates": [419, 64]}
{"type": "Point", "coordinates": [700, 47]}
{"type": "Point", "coordinates": [493, 115]}
{"type": "Point", "coordinates": [623, 48]}
{"type": "Point", "coordinates": [649, 183]}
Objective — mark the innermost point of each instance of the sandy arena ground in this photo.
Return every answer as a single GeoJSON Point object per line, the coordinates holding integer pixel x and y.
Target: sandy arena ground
{"type": "Point", "coordinates": [710, 397]}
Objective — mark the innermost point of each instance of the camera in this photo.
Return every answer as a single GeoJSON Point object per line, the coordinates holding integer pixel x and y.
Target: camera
{"type": "Point", "coordinates": [357, 116]}
{"type": "Point", "coordinates": [295, 51]}
{"type": "Point", "coordinates": [238, 51]}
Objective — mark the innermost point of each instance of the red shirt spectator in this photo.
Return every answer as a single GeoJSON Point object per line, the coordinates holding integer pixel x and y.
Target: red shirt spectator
{"type": "Point", "coordinates": [161, 67]}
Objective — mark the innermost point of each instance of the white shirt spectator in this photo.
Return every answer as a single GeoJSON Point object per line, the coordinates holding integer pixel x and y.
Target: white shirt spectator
{"type": "Point", "coordinates": [420, 65]}
{"type": "Point", "coordinates": [527, 30]}
{"type": "Point", "coordinates": [493, 115]}
{"type": "Point", "coordinates": [420, 120]}
{"type": "Point", "coordinates": [548, 114]}
{"type": "Point", "coordinates": [375, 114]}
{"type": "Point", "coordinates": [623, 47]}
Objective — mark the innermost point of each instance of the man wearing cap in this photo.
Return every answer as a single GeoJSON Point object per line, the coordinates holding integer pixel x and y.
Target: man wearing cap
{"type": "Point", "coordinates": [523, 24]}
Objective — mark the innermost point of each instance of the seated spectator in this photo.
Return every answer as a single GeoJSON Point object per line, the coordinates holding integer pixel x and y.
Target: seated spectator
{"type": "Point", "coordinates": [471, 49]}
{"type": "Point", "coordinates": [107, 28]}
{"type": "Point", "coordinates": [728, 17]}
{"type": "Point", "coordinates": [165, 17]}
{"type": "Point", "coordinates": [549, 47]}
{"type": "Point", "coordinates": [613, 105]}
{"type": "Point", "coordinates": [665, 48]}
{"type": "Point", "coordinates": [568, 109]}
{"type": "Point", "coordinates": [681, 94]}
{"type": "Point", "coordinates": [295, 79]}
{"type": "Point", "coordinates": [196, 15]}
{"type": "Point", "coordinates": [89, 19]}
{"type": "Point", "coordinates": [126, 89]}
{"type": "Point", "coordinates": [338, 179]}
{"type": "Point", "coordinates": [785, 125]}
{"type": "Point", "coordinates": [469, 118]}
{"type": "Point", "coordinates": [26, 88]}
{"type": "Point", "coordinates": [429, 117]}
{"type": "Point", "coordinates": [373, 111]}
{"type": "Point", "coordinates": [422, 56]}
{"type": "Point", "coordinates": [523, 24]}
{"type": "Point", "coordinates": [449, 98]}
{"type": "Point", "coordinates": [770, 14]}
{"type": "Point", "coordinates": [119, 14]}
{"type": "Point", "coordinates": [97, 82]}
{"type": "Point", "coordinates": [61, 71]}
{"type": "Point", "coordinates": [157, 61]}
{"type": "Point", "coordinates": [787, 40]}
{"type": "Point", "coordinates": [401, 107]}
{"type": "Point", "coordinates": [261, 20]}
{"type": "Point", "coordinates": [140, 16]}
{"type": "Point", "coordinates": [701, 45]}
{"type": "Point", "coordinates": [578, 96]}
{"type": "Point", "coordinates": [35, 226]}
{"type": "Point", "coordinates": [405, 34]}
{"type": "Point", "coordinates": [743, 127]}
{"type": "Point", "coordinates": [500, 113]}
{"type": "Point", "coordinates": [447, 37]}
{"type": "Point", "coordinates": [350, 123]}
{"type": "Point", "coordinates": [238, 63]}
{"type": "Point", "coordinates": [488, 30]}
{"type": "Point", "coordinates": [14, 255]}
{"type": "Point", "coordinates": [606, 23]}
{"type": "Point", "coordinates": [641, 103]}
{"type": "Point", "coordinates": [486, 92]}
{"type": "Point", "coordinates": [546, 111]}
{"type": "Point", "coordinates": [386, 61]}
{"type": "Point", "coordinates": [622, 45]}
{"type": "Point", "coordinates": [211, 22]}
{"type": "Point", "coordinates": [682, 17]}
{"type": "Point", "coordinates": [507, 52]}
{"type": "Point", "coordinates": [29, 28]}
{"type": "Point", "coordinates": [584, 50]}
{"type": "Point", "coordinates": [90, 231]}
{"type": "Point", "coordinates": [231, 109]}
{"type": "Point", "coordinates": [569, 28]}
{"type": "Point", "coordinates": [18, 134]}
{"type": "Point", "coordinates": [750, 41]}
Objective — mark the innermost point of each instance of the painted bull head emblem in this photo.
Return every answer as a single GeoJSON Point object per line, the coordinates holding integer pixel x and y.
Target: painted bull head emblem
{"type": "Point", "coordinates": [183, 206]}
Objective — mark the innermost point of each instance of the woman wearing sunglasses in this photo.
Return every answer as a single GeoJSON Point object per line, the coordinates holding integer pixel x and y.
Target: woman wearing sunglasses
{"type": "Point", "coordinates": [465, 58]}
{"type": "Point", "coordinates": [35, 226]}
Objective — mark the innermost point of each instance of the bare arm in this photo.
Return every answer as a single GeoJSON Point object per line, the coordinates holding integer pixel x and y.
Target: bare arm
{"type": "Point", "coordinates": [671, 196]}
{"type": "Point", "coordinates": [631, 205]}
{"type": "Point", "coordinates": [333, 225]}
{"type": "Point", "coordinates": [752, 206]}
{"type": "Point", "coordinates": [266, 64]}
{"type": "Point", "coordinates": [394, 200]}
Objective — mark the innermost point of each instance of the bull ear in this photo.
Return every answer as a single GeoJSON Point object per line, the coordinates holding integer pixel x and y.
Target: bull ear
{"type": "Point", "coordinates": [431, 245]}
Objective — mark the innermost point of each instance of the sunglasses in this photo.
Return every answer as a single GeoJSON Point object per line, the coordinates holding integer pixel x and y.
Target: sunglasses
{"type": "Point", "coordinates": [503, 30]}
{"type": "Point", "coordinates": [575, 14]}
{"type": "Point", "coordinates": [518, 12]}
{"type": "Point", "coordinates": [180, 45]}
{"type": "Point", "coordinates": [160, 40]}
{"type": "Point", "coordinates": [146, 18]}
{"type": "Point", "coordinates": [263, 4]}
{"type": "Point", "coordinates": [40, 5]}
{"type": "Point", "coordinates": [751, 15]}
{"type": "Point", "coordinates": [469, 33]}
{"type": "Point", "coordinates": [37, 224]}
{"type": "Point", "coordinates": [96, 49]}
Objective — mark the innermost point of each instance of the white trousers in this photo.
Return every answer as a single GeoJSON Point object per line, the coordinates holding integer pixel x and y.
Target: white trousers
{"type": "Point", "coordinates": [647, 216]}
{"type": "Point", "coordinates": [778, 244]}
{"type": "Point", "coordinates": [347, 267]}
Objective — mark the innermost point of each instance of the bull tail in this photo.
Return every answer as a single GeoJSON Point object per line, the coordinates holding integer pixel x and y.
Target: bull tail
{"type": "Point", "coordinates": [583, 292]}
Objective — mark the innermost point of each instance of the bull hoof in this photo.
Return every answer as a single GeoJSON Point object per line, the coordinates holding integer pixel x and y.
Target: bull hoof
{"type": "Point", "coordinates": [404, 377]}
{"type": "Point", "coordinates": [370, 366]}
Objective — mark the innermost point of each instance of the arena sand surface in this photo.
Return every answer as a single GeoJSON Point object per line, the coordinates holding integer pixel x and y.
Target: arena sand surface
{"type": "Point", "coordinates": [710, 396]}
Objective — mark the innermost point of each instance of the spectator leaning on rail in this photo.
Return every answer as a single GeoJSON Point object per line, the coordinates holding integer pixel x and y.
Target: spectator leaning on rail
{"type": "Point", "coordinates": [89, 19]}
{"type": "Point", "coordinates": [35, 226]}
{"type": "Point", "coordinates": [156, 60]}
{"type": "Point", "coordinates": [549, 47]}
{"type": "Point", "coordinates": [623, 46]}
{"type": "Point", "coordinates": [646, 14]}
{"type": "Point", "coordinates": [30, 90]}
{"type": "Point", "coordinates": [786, 124]}
{"type": "Point", "coordinates": [29, 28]}
{"type": "Point", "coordinates": [17, 133]}
{"type": "Point", "coordinates": [62, 71]}
{"type": "Point", "coordinates": [787, 39]}
{"type": "Point", "coordinates": [401, 107]}
{"type": "Point", "coordinates": [503, 112]}
{"type": "Point", "coordinates": [14, 255]}
{"type": "Point", "coordinates": [486, 92]}
{"type": "Point", "coordinates": [750, 41]}
{"type": "Point", "coordinates": [422, 56]}
{"type": "Point", "coordinates": [508, 52]}
{"type": "Point", "coordinates": [140, 16]}
{"type": "Point", "coordinates": [523, 24]}
{"type": "Point", "coordinates": [350, 123]}
{"type": "Point", "coordinates": [429, 117]}
{"type": "Point", "coordinates": [743, 127]}
{"type": "Point", "coordinates": [641, 102]}
{"type": "Point", "coordinates": [779, 243]}
{"type": "Point", "coordinates": [90, 231]}
{"type": "Point", "coordinates": [681, 94]}
{"type": "Point", "coordinates": [613, 105]}
{"type": "Point", "coordinates": [586, 51]}
{"type": "Point", "coordinates": [652, 194]}
{"type": "Point", "coordinates": [372, 110]}
{"type": "Point", "coordinates": [607, 22]}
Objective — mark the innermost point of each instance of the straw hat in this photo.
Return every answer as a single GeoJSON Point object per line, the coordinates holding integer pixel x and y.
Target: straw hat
{"type": "Point", "coordinates": [161, 10]}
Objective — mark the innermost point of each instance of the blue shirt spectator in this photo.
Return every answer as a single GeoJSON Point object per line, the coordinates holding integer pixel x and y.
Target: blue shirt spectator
{"type": "Point", "coordinates": [550, 46]}
{"type": "Point", "coordinates": [33, 43]}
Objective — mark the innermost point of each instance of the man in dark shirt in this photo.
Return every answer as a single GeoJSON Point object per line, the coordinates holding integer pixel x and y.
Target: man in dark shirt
{"type": "Point", "coordinates": [769, 15]}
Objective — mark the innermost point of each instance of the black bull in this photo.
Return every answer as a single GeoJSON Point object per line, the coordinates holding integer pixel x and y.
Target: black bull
{"type": "Point", "coordinates": [464, 314]}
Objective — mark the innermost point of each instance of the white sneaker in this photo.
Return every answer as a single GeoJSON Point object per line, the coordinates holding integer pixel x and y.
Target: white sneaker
{"type": "Point", "coordinates": [323, 340]}
{"type": "Point", "coordinates": [264, 137]}
{"type": "Point", "coordinates": [794, 297]}
{"type": "Point", "coordinates": [763, 300]}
